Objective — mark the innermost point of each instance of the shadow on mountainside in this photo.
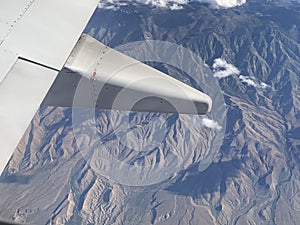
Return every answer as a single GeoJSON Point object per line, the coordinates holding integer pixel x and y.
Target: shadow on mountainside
{"type": "Point", "coordinates": [213, 179]}
{"type": "Point", "coordinates": [15, 178]}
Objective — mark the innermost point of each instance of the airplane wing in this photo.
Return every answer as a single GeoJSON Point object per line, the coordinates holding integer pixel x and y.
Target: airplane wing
{"type": "Point", "coordinates": [36, 38]}
{"type": "Point", "coordinates": [40, 39]}
{"type": "Point", "coordinates": [120, 82]}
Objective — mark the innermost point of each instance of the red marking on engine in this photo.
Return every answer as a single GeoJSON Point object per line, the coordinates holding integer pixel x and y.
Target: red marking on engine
{"type": "Point", "coordinates": [94, 74]}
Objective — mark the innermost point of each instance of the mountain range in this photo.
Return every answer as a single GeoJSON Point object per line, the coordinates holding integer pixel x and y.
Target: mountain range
{"type": "Point", "coordinates": [252, 178]}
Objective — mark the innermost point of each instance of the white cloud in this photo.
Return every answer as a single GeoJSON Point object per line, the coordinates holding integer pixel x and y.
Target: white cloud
{"type": "Point", "coordinates": [223, 69]}
{"type": "Point", "coordinates": [247, 80]}
{"type": "Point", "coordinates": [176, 7]}
{"type": "Point", "coordinates": [264, 85]}
{"type": "Point", "coordinates": [170, 4]}
{"type": "Point", "coordinates": [205, 122]}
{"type": "Point", "coordinates": [228, 3]}
{"type": "Point", "coordinates": [252, 82]}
